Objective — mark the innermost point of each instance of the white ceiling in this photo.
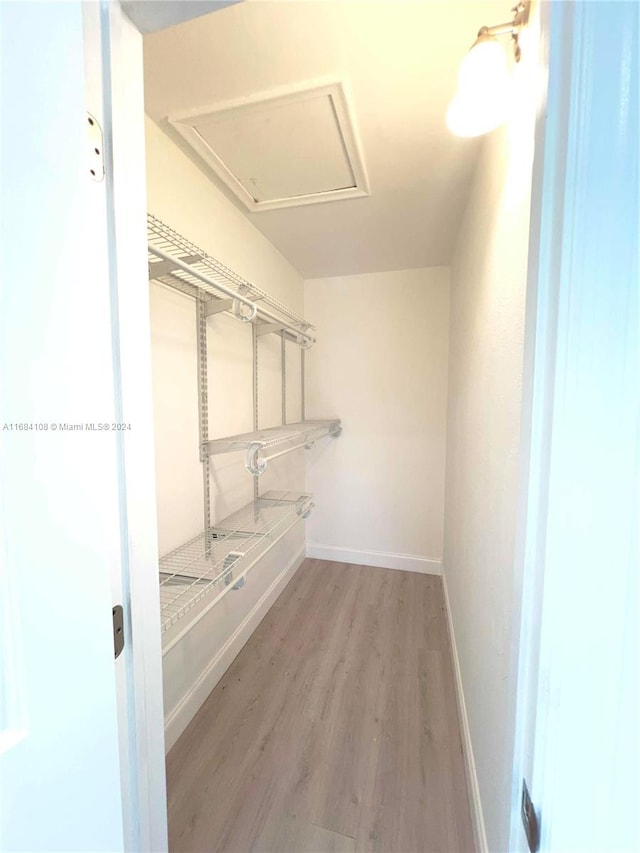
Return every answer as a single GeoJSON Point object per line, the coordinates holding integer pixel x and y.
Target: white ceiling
{"type": "Point", "coordinates": [398, 63]}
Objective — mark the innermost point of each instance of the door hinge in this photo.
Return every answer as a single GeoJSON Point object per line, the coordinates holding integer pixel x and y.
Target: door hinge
{"type": "Point", "coordinates": [118, 629]}
{"type": "Point", "coordinates": [530, 820]}
{"type": "Point", "coordinates": [95, 150]}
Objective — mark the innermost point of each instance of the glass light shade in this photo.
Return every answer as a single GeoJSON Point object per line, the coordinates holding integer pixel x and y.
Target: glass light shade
{"type": "Point", "coordinates": [482, 100]}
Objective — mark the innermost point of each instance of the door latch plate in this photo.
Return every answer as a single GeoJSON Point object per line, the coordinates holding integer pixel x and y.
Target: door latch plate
{"type": "Point", "coordinates": [118, 629]}
{"type": "Point", "coordinates": [530, 820]}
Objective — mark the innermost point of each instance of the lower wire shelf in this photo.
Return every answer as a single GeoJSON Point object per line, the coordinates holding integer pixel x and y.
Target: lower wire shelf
{"type": "Point", "coordinates": [215, 562]}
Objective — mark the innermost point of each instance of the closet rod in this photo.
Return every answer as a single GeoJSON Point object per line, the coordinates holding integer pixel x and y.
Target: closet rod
{"type": "Point", "coordinates": [256, 464]}
{"type": "Point", "coordinates": [264, 312]}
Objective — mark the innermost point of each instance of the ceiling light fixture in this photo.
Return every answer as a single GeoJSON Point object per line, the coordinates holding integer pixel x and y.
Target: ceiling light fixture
{"type": "Point", "coordinates": [482, 99]}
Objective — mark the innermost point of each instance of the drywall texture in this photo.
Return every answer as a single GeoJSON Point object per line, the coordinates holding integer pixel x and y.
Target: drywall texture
{"type": "Point", "coordinates": [381, 365]}
{"type": "Point", "coordinates": [180, 195]}
{"type": "Point", "coordinates": [488, 283]}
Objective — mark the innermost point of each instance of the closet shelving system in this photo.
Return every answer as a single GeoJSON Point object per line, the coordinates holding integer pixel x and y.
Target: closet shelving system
{"type": "Point", "coordinates": [203, 570]}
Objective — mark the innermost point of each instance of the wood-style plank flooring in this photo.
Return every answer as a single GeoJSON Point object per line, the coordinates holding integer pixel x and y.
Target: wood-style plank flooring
{"type": "Point", "coordinates": [335, 729]}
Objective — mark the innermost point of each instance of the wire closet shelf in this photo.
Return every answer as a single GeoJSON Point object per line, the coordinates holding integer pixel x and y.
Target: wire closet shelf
{"type": "Point", "coordinates": [180, 264]}
{"type": "Point", "coordinates": [217, 561]}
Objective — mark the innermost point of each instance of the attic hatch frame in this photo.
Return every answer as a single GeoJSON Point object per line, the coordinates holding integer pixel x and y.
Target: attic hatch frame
{"type": "Point", "coordinates": [336, 90]}
{"type": "Point", "coordinates": [203, 570]}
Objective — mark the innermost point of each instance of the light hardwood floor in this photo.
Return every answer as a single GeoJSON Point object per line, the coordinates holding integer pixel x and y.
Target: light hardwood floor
{"type": "Point", "coordinates": [335, 729]}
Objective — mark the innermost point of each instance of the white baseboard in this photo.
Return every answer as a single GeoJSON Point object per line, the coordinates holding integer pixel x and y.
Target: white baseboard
{"type": "Point", "coordinates": [185, 711]}
{"type": "Point", "coordinates": [473, 788]}
{"type": "Point", "coordinates": [379, 559]}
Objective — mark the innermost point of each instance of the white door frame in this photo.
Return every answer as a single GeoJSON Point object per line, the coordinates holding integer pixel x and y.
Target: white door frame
{"type": "Point", "coordinates": [578, 529]}
{"type": "Point", "coordinates": [62, 514]}
{"type": "Point", "coordinates": [141, 701]}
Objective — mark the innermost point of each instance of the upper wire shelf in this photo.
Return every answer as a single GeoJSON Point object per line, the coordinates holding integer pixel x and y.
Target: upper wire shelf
{"type": "Point", "coordinates": [178, 263]}
{"type": "Point", "coordinates": [281, 439]}
{"type": "Point", "coordinates": [213, 563]}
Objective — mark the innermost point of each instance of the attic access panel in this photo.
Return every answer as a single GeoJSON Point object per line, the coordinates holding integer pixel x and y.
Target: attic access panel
{"type": "Point", "coordinates": [292, 148]}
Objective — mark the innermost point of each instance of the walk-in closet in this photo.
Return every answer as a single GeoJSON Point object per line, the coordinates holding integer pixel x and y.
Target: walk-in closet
{"type": "Point", "coordinates": [295, 260]}
{"type": "Point", "coordinates": [318, 384]}
{"type": "Point", "coordinates": [308, 213]}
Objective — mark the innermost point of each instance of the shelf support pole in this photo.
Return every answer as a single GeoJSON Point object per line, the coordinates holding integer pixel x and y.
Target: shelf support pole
{"type": "Point", "coordinates": [283, 351]}
{"type": "Point", "coordinates": [254, 339]}
{"type": "Point", "coordinates": [203, 408]}
{"type": "Point", "coordinates": [302, 404]}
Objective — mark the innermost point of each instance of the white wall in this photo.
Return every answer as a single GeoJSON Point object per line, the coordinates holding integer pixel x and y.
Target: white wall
{"type": "Point", "coordinates": [381, 365]}
{"type": "Point", "coordinates": [180, 195]}
{"type": "Point", "coordinates": [488, 282]}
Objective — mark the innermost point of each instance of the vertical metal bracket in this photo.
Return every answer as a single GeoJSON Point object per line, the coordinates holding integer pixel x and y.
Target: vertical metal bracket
{"type": "Point", "coordinates": [203, 406]}
{"type": "Point", "coordinates": [303, 414]}
{"type": "Point", "coordinates": [284, 377]}
{"type": "Point", "coordinates": [254, 341]}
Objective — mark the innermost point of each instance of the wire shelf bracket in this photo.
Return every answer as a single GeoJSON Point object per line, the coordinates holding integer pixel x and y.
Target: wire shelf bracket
{"type": "Point", "coordinates": [180, 264]}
